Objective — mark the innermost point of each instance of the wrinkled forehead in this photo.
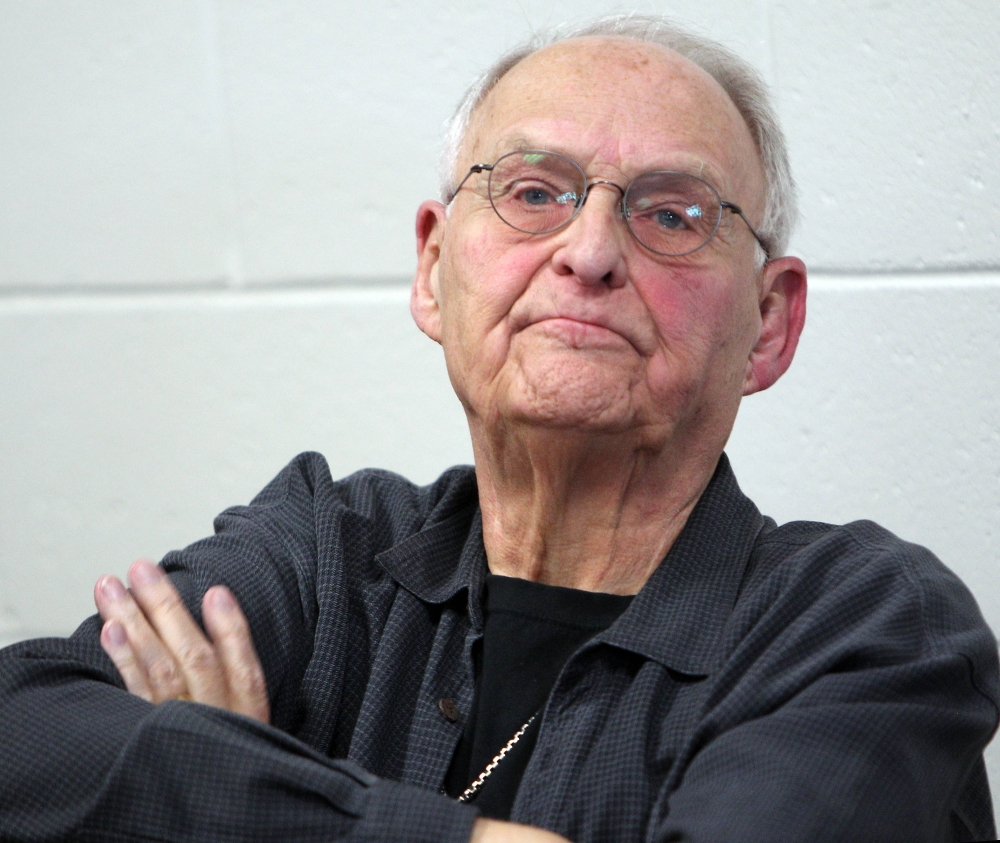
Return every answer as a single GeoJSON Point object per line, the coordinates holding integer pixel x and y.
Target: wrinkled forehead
{"type": "Point", "coordinates": [621, 105]}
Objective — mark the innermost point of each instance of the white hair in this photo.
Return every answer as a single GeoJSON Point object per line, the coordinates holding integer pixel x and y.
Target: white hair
{"type": "Point", "coordinates": [744, 85]}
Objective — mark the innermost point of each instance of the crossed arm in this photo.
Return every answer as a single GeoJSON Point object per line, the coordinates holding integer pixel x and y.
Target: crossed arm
{"type": "Point", "coordinates": [162, 654]}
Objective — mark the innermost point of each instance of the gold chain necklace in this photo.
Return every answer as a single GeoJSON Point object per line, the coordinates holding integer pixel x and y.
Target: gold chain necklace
{"type": "Point", "coordinates": [476, 786]}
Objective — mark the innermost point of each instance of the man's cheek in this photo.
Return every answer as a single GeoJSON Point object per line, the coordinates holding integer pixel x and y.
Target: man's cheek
{"type": "Point", "coordinates": [702, 320]}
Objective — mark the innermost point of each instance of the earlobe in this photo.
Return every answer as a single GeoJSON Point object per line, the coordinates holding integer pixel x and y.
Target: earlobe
{"type": "Point", "coordinates": [782, 317]}
{"type": "Point", "coordinates": [425, 295]}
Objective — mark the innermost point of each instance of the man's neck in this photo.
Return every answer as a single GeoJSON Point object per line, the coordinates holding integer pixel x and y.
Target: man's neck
{"type": "Point", "coordinates": [564, 508]}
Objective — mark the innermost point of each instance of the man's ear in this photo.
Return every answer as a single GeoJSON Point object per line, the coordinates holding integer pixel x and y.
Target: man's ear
{"type": "Point", "coordinates": [425, 304]}
{"type": "Point", "coordinates": [782, 316]}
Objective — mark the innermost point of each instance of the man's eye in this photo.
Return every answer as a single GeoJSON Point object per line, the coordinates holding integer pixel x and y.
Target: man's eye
{"type": "Point", "coordinates": [670, 220]}
{"type": "Point", "coordinates": [536, 196]}
{"type": "Point", "coordinates": [538, 193]}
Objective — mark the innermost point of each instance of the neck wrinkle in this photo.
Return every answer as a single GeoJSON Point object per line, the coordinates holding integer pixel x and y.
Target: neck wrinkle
{"type": "Point", "coordinates": [571, 509]}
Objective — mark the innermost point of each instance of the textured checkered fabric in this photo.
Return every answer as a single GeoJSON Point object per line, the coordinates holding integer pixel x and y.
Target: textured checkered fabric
{"type": "Point", "coordinates": [795, 683]}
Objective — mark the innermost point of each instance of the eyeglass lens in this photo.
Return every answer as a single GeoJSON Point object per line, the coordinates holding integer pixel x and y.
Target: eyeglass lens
{"type": "Point", "coordinates": [538, 192]}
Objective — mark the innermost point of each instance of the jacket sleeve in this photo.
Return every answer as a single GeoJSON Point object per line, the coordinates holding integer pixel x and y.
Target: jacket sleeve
{"type": "Point", "coordinates": [83, 759]}
{"type": "Point", "coordinates": [855, 702]}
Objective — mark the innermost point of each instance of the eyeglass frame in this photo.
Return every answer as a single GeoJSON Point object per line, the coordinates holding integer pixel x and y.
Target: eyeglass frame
{"type": "Point", "coordinates": [589, 183]}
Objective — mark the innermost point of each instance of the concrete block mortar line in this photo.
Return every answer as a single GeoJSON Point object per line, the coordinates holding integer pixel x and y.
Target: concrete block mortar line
{"type": "Point", "coordinates": [819, 279]}
{"type": "Point", "coordinates": [159, 287]}
{"type": "Point", "coordinates": [217, 295]}
{"type": "Point", "coordinates": [209, 299]}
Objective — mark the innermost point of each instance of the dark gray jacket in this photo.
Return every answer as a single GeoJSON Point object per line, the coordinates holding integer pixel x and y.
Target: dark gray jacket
{"type": "Point", "coordinates": [797, 683]}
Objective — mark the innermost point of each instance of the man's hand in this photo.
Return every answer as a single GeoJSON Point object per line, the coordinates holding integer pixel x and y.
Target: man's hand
{"type": "Point", "coordinates": [161, 652]}
{"type": "Point", "coordinates": [497, 831]}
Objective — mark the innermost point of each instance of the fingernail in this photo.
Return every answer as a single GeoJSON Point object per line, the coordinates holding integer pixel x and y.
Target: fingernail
{"type": "Point", "coordinates": [222, 599]}
{"type": "Point", "coordinates": [145, 572]}
{"type": "Point", "coordinates": [116, 634]}
{"type": "Point", "coordinates": [112, 588]}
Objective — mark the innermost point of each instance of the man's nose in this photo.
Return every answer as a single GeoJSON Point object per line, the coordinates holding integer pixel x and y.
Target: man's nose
{"type": "Point", "coordinates": [593, 243]}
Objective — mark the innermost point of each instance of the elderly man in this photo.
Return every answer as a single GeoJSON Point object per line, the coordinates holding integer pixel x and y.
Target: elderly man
{"type": "Point", "coordinates": [593, 633]}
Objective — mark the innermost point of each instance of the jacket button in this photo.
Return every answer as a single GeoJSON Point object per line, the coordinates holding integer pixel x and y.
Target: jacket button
{"type": "Point", "coordinates": [448, 708]}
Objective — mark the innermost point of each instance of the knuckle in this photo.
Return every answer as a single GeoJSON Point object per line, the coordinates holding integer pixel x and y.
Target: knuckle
{"type": "Point", "coordinates": [124, 660]}
{"type": "Point", "coordinates": [224, 629]}
{"type": "Point", "coordinates": [126, 609]}
{"type": "Point", "coordinates": [254, 684]}
{"type": "Point", "coordinates": [163, 600]}
{"type": "Point", "coordinates": [246, 677]}
{"type": "Point", "coordinates": [157, 596]}
{"type": "Point", "coordinates": [197, 656]}
{"type": "Point", "coordinates": [164, 676]}
{"type": "Point", "coordinates": [135, 619]}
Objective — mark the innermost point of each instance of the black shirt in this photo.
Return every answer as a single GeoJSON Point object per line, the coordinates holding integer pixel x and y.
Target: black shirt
{"type": "Point", "coordinates": [531, 630]}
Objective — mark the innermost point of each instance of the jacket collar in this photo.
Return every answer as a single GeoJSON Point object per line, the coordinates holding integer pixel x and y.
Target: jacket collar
{"type": "Point", "coordinates": [425, 563]}
{"type": "Point", "coordinates": [676, 618]}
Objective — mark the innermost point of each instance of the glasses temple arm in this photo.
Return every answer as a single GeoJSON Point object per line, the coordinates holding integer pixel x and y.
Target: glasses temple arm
{"type": "Point", "coordinates": [475, 168]}
{"type": "Point", "coordinates": [736, 209]}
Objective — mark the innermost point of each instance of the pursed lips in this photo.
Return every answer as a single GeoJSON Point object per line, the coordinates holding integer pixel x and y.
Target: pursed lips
{"type": "Point", "coordinates": [581, 330]}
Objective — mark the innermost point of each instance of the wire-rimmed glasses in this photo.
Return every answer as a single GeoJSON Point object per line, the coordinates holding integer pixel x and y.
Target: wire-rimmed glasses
{"type": "Point", "coordinates": [670, 213]}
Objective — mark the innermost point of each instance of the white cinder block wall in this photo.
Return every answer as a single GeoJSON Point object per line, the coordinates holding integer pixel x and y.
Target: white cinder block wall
{"type": "Point", "coordinates": [206, 231]}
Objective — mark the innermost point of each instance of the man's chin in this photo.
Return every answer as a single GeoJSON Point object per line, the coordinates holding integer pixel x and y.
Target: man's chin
{"type": "Point", "coordinates": [570, 400]}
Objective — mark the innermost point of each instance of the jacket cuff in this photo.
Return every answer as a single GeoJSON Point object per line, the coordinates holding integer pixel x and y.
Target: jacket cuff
{"type": "Point", "coordinates": [403, 812]}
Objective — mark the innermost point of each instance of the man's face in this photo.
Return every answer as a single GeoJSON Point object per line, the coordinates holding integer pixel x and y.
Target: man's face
{"type": "Point", "coordinates": [585, 328]}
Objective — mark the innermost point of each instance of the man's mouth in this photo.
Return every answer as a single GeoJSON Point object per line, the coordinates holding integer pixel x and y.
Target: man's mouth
{"type": "Point", "coordinates": [580, 333]}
